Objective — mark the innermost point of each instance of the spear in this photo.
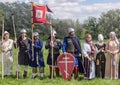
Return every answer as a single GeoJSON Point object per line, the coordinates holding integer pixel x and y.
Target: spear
{"type": "Point", "coordinates": [14, 27]}
{"type": "Point", "coordinates": [13, 22]}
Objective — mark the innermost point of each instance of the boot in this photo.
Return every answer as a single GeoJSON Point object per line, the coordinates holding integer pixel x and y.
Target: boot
{"type": "Point", "coordinates": [41, 73]}
{"type": "Point", "coordinates": [41, 76]}
{"type": "Point", "coordinates": [25, 74]}
{"type": "Point", "coordinates": [57, 72]}
{"type": "Point", "coordinates": [17, 74]}
{"type": "Point", "coordinates": [5, 76]}
{"type": "Point", "coordinates": [75, 72]}
{"type": "Point", "coordinates": [51, 72]}
{"type": "Point", "coordinates": [34, 71]}
{"type": "Point", "coordinates": [34, 75]}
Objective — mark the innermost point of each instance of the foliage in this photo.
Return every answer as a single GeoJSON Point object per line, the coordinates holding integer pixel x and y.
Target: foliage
{"type": "Point", "coordinates": [107, 22]}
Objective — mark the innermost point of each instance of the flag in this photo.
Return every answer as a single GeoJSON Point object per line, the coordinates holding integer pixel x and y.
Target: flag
{"type": "Point", "coordinates": [39, 14]}
{"type": "Point", "coordinates": [48, 9]}
{"type": "Point", "coordinates": [44, 2]}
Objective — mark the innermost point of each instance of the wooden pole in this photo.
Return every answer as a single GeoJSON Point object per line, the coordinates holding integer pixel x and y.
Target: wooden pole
{"type": "Point", "coordinates": [2, 43]}
{"type": "Point", "coordinates": [32, 42]}
{"type": "Point", "coordinates": [15, 38]}
{"type": "Point", "coordinates": [52, 50]}
{"type": "Point", "coordinates": [14, 27]}
{"type": "Point", "coordinates": [32, 4]}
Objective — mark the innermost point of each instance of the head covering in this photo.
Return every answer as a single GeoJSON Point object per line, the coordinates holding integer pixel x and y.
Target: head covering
{"type": "Point", "coordinates": [23, 31]}
{"type": "Point", "coordinates": [36, 34]}
{"type": "Point", "coordinates": [100, 37]}
{"type": "Point", "coordinates": [6, 32]}
{"type": "Point", "coordinates": [70, 30]}
{"type": "Point", "coordinates": [54, 32]}
{"type": "Point", "coordinates": [114, 34]}
{"type": "Point", "coordinates": [88, 36]}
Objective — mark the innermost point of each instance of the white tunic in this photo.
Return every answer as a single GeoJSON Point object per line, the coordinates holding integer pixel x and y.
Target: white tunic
{"type": "Point", "coordinates": [7, 47]}
{"type": "Point", "coordinates": [86, 49]}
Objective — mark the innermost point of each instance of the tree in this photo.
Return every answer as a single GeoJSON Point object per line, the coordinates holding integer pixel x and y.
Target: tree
{"type": "Point", "coordinates": [110, 21]}
{"type": "Point", "coordinates": [91, 26]}
{"type": "Point", "coordinates": [107, 22]}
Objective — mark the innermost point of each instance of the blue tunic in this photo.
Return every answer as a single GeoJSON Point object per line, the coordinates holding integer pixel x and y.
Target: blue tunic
{"type": "Point", "coordinates": [77, 51]}
{"type": "Point", "coordinates": [38, 56]}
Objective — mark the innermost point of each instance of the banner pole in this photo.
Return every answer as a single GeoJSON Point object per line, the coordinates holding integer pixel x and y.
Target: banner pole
{"type": "Point", "coordinates": [32, 29]}
{"type": "Point", "coordinates": [52, 50]}
{"type": "Point", "coordinates": [32, 42]}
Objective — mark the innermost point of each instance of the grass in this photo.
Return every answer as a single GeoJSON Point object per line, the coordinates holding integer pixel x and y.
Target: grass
{"type": "Point", "coordinates": [47, 81]}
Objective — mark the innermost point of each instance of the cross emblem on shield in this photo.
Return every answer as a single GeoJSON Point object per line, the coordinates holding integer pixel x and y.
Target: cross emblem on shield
{"type": "Point", "coordinates": [66, 65]}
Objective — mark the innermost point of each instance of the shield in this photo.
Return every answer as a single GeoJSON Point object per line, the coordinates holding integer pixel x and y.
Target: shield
{"type": "Point", "coordinates": [66, 65]}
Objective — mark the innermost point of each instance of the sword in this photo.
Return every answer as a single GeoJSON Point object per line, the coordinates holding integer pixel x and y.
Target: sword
{"type": "Point", "coordinates": [37, 59]}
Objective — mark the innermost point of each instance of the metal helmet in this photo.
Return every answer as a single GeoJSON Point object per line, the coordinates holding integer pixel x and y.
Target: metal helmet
{"type": "Point", "coordinates": [54, 32]}
{"type": "Point", "coordinates": [23, 31]}
{"type": "Point", "coordinates": [6, 32]}
{"type": "Point", "coordinates": [70, 30]}
{"type": "Point", "coordinates": [36, 34]}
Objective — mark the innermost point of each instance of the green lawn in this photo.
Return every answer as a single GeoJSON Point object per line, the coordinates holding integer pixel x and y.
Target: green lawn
{"type": "Point", "coordinates": [47, 81]}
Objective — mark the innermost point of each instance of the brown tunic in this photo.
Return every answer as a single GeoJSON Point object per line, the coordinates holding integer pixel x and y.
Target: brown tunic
{"type": "Point", "coordinates": [23, 54]}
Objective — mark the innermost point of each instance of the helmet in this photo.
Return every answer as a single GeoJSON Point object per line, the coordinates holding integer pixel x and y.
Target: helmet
{"type": "Point", "coordinates": [100, 37]}
{"type": "Point", "coordinates": [23, 31]}
{"type": "Point", "coordinates": [6, 32]}
{"type": "Point", "coordinates": [54, 32]}
{"type": "Point", "coordinates": [70, 30]}
{"type": "Point", "coordinates": [36, 34]}
{"type": "Point", "coordinates": [88, 36]}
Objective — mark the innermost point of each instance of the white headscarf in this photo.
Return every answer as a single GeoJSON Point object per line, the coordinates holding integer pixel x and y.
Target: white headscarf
{"type": "Point", "coordinates": [100, 37]}
{"type": "Point", "coordinates": [114, 34]}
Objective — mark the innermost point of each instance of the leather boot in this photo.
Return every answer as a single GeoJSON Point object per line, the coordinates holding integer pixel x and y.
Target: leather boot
{"type": "Point", "coordinates": [75, 72]}
{"type": "Point", "coordinates": [25, 74]}
{"type": "Point", "coordinates": [57, 72]}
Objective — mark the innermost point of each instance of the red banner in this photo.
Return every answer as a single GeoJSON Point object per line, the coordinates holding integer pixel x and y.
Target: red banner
{"type": "Point", "coordinates": [39, 14]}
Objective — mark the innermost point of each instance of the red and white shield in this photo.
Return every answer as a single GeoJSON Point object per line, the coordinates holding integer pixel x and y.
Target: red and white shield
{"type": "Point", "coordinates": [66, 65]}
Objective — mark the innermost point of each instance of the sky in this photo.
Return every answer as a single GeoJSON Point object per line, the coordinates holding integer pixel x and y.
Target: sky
{"type": "Point", "coordinates": [76, 9]}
